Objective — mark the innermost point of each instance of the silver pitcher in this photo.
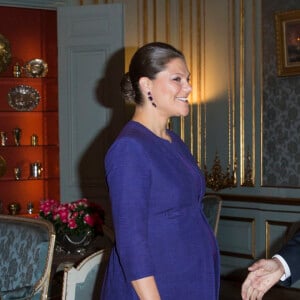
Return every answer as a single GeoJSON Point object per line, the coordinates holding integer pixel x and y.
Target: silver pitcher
{"type": "Point", "coordinates": [36, 170]}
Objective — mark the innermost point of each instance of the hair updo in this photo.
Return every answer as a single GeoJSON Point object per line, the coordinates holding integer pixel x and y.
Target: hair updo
{"type": "Point", "coordinates": [147, 61]}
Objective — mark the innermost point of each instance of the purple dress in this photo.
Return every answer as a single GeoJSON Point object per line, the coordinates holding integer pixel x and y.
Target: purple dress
{"type": "Point", "coordinates": [156, 189]}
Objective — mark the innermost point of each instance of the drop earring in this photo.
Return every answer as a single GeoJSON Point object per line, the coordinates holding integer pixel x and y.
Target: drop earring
{"type": "Point", "coordinates": [150, 98]}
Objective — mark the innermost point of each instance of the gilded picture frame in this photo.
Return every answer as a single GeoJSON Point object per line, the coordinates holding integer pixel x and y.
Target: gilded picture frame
{"type": "Point", "coordinates": [288, 42]}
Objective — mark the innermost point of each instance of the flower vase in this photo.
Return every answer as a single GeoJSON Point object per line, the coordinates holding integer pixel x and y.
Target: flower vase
{"type": "Point", "coordinates": [74, 243]}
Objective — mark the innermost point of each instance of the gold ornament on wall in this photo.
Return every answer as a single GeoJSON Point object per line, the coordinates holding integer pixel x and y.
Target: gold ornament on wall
{"type": "Point", "coordinates": [217, 179]}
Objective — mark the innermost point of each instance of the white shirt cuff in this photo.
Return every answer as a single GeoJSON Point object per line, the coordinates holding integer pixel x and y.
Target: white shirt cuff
{"type": "Point", "coordinates": [287, 271]}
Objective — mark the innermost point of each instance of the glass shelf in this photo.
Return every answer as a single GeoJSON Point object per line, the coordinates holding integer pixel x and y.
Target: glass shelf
{"type": "Point", "coordinates": [28, 146]}
{"type": "Point", "coordinates": [22, 180]}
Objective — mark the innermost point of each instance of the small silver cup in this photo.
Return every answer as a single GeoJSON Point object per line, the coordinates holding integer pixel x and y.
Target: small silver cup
{"type": "Point", "coordinates": [30, 207]}
{"type": "Point", "coordinates": [14, 208]}
{"type": "Point", "coordinates": [34, 140]}
{"type": "Point", "coordinates": [17, 173]}
{"type": "Point", "coordinates": [3, 137]}
{"type": "Point", "coordinates": [36, 170]}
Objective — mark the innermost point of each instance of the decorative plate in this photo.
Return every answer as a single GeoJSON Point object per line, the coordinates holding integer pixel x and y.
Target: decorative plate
{"type": "Point", "coordinates": [23, 98]}
{"type": "Point", "coordinates": [36, 68]}
{"type": "Point", "coordinates": [2, 166]}
{"type": "Point", "coordinates": [5, 54]}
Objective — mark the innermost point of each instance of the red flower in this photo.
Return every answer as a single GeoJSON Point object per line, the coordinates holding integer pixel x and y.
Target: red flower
{"type": "Point", "coordinates": [89, 220]}
{"type": "Point", "coordinates": [72, 224]}
{"type": "Point", "coordinates": [63, 214]}
{"type": "Point", "coordinates": [74, 217]}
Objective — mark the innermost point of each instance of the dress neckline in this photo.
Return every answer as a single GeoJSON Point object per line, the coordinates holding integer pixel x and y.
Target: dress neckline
{"type": "Point", "coordinates": [152, 133]}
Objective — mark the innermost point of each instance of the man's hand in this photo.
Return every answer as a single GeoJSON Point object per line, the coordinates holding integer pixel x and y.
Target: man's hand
{"type": "Point", "coordinates": [263, 275]}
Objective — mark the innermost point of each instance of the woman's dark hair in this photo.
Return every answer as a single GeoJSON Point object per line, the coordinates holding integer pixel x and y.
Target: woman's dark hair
{"type": "Point", "coordinates": [147, 61]}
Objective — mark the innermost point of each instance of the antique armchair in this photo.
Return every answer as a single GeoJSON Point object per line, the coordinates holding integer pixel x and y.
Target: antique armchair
{"type": "Point", "coordinates": [212, 205]}
{"type": "Point", "coordinates": [26, 253]}
{"type": "Point", "coordinates": [84, 281]}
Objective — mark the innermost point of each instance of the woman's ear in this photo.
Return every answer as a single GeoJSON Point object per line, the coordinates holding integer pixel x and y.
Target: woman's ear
{"type": "Point", "coordinates": [145, 85]}
{"type": "Point", "coordinates": [146, 89]}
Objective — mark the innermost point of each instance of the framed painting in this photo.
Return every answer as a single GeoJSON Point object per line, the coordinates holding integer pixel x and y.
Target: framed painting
{"type": "Point", "coordinates": [288, 42]}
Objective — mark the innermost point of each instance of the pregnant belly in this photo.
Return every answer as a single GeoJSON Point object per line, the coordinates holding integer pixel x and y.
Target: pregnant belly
{"type": "Point", "coordinates": [182, 242]}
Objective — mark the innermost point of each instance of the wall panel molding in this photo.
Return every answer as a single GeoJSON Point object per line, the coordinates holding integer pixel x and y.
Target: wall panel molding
{"type": "Point", "coordinates": [243, 229]}
{"type": "Point", "coordinates": [276, 235]}
{"type": "Point", "coordinates": [260, 199]}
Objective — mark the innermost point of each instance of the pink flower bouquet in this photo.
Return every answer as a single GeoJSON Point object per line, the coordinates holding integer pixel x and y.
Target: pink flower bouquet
{"type": "Point", "coordinates": [74, 218]}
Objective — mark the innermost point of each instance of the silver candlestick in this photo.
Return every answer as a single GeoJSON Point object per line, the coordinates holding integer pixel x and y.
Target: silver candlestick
{"type": "Point", "coordinates": [17, 135]}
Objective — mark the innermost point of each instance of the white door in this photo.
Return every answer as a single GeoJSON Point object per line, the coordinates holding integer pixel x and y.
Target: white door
{"type": "Point", "coordinates": [91, 112]}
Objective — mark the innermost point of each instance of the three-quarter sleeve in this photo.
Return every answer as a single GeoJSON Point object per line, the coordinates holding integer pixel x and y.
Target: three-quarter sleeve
{"type": "Point", "coordinates": [129, 180]}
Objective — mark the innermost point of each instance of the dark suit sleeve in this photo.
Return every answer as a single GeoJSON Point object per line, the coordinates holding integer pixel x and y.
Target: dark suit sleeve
{"type": "Point", "coordinates": [291, 253]}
